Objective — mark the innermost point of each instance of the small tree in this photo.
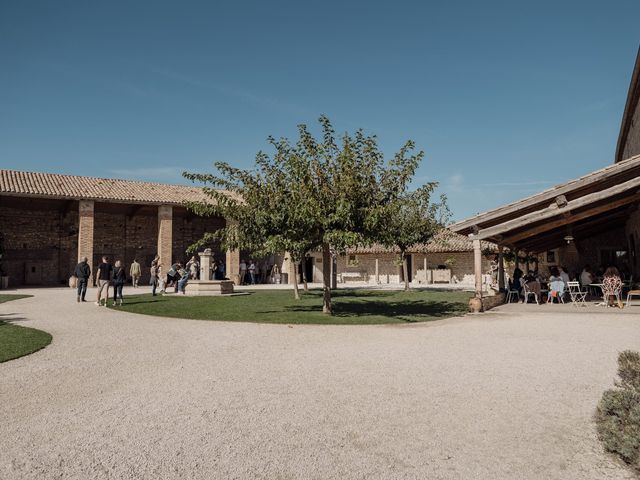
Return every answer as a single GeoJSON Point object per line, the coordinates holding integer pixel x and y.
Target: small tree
{"type": "Point", "coordinates": [412, 220]}
{"type": "Point", "coordinates": [312, 195]}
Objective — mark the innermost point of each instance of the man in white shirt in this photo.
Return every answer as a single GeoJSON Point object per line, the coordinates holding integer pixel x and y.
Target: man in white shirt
{"type": "Point", "coordinates": [243, 272]}
{"type": "Point", "coordinates": [564, 275]}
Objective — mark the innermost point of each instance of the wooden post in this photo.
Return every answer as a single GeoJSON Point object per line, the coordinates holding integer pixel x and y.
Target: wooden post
{"type": "Point", "coordinates": [517, 259]}
{"type": "Point", "coordinates": [477, 266]}
{"type": "Point", "coordinates": [500, 268]}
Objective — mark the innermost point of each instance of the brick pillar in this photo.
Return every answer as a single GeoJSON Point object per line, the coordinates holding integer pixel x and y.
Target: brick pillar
{"type": "Point", "coordinates": [165, 235]}
{"type": "Point", "coordinates": [85, 232]}
{"type": "Point", "coordinates": [233, 266]}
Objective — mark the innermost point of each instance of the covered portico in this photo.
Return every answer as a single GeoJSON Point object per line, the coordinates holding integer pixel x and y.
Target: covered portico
{"type": "Point", "coordinates": [592, 219]}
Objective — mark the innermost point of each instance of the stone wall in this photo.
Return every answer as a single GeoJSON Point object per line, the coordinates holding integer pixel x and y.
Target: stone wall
{"type": "Point", "coordinates": [632, 231]}
{"type": "Point", "coordinates": [362, 267]}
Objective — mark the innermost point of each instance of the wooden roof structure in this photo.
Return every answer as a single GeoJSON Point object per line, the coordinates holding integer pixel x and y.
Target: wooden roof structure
{"type": "Point", "coordinates": [580, 208]}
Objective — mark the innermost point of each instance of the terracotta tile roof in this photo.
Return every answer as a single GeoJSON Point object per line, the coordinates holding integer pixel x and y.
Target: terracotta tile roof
{"type": "Point", "coordinates": [445, 241]}
{"type": "Point", "coordinates": [73, 187]}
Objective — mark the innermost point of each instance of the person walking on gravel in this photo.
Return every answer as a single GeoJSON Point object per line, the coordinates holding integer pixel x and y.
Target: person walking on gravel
{"type": "Point", "coordinates": [103, 277]}
{"type": "Point", "coordinates": [119, 279]}
{"type": "Point", "coordinates": [83, 273]}
{"type": "Point", "coordinates": [135, 273]}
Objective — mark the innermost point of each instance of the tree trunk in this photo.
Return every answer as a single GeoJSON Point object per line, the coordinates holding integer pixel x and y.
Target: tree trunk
{"type": "Point", "coordinates": [405, 271]}
{"type": "Point", "coordinates": [296, 292]}
{"type": "Point", "coordinates": [304, 275]}
{"type": "Point", "coordinates": [326, 279]}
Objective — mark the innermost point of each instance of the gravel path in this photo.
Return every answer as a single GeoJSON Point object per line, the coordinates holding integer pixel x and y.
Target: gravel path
{"type": "Point", "coordinates": [505, 395]}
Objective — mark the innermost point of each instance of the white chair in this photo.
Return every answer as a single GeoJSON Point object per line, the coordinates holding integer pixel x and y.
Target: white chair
{"type": "Point", "coordinates": [577, 294]}
{"type": "Point", "coordinates": [512, 295]}
{"type": "Point", "coordinates": [631, 294]}
{"type": "Point", "coordinates": [558, 287]}
{"type": "Point", "coordinates": [527, 292]}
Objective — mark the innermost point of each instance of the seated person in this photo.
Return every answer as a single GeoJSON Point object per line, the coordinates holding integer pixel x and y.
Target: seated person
{"type": "Point", "coordinates": [182, 283]}
{"type": "Point", "coordinates": [556, 285]}
{"type": "Point", "coordinates": [532, 283]}
{"type": "Point", "coordinates": [612, 286]}
{"type": "Point", "coordinates": [586, 277]}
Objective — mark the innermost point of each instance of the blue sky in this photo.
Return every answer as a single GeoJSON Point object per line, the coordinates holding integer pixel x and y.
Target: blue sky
{"type": "Point", "coordinates": [505, 97]}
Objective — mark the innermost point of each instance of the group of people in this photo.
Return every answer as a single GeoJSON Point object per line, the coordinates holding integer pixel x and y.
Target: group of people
{"type": "Point", "coordinates": [115, 275]}
{"type": "Point", "coordinates": [105, 276]}
{"type": "Point", "coordinates": [557, 281]}
{"type": "Point", "coordinates": [252, 272]}
{"type": "Point", "coordinates": [160, 279]}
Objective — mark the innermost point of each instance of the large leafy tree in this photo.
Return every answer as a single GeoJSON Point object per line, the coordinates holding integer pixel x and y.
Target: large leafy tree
{"type": "Point", "coordinates": [322, 194]}
{"type": "Point", "coordinates": [412, 220]}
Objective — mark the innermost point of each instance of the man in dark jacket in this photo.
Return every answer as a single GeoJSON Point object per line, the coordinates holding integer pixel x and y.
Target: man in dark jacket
{"type": "Point", "coordinates": [83, 273]}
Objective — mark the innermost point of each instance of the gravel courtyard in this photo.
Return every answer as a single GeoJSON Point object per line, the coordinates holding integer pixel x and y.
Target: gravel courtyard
{"type": "Point", "coordinates": [508, 394]}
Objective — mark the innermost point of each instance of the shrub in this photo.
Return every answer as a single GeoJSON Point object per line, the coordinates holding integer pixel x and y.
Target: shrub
{"type": "Point", "coordinates": [618, 413]}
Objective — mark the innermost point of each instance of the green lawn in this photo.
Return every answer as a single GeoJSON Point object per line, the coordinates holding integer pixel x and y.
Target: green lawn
{"type": "Point", "coordinates": [278, 306]}
{"type": "Point", "coordinates": [7, 297]}
{"type": "Point", "coordinates": [17, 341]}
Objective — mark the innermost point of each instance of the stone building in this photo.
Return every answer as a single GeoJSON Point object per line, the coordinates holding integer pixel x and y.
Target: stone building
{"type": "Point", "coordinates": [447, 258]}
{"type": "Point", "coordinates": [50, 220]}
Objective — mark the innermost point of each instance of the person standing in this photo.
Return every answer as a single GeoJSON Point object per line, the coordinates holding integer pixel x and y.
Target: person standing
{"type": "Point", "coordinates": [153, 272]}
{"type": "Point", "coordinates": [103, 277]}
{"type": "Point", "coordinates": [161, 277]}
{"type": "Point", "coordinates": [119, 279]}
{"type": "Point", "coordinates": [243, 272]}
{"type": "Point", "coordinates": [252, 272]}
{"type": "Point", "coordinates": [135, 273]}
{"type": "Point", "coordinates": [83, 273]}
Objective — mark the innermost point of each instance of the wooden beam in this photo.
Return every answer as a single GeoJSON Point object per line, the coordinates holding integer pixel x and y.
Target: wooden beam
{"type": "Point", "coordinates": [586, 230]}
{"type": "Point", "coordinates": [591, 179]}
{"type": "Point", "coordinates": [568, 218]}
{"type": "Point", "coordinates": [538, 216]}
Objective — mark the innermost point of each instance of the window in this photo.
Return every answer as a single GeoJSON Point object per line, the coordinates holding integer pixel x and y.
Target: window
{"type": "Point", "coordinates": [352, 261]}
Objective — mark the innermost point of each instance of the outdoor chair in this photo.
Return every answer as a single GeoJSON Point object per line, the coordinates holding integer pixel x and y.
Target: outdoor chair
{"type": "Point", "coordinates": [527, 292]}
{"type": "Point", "coordinates": [512, 295]}
{"type": "Point", "coordinates": [631, 294]}
{"type": "Point", "coordinates": [558, 288]}
{"type": "Point", "coordinates": [577, 294]}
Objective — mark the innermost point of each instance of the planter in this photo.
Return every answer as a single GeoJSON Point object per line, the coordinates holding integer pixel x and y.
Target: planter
{"type": "Point", "coordinates": [475, 305]}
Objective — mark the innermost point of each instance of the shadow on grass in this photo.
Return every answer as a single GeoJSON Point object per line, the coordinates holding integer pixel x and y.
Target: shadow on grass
{"type": "Point", "coordinates": [407, 311]}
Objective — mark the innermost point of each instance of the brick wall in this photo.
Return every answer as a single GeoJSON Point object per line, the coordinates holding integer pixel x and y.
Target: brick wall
{"type": "Point", "coordinates": [40, 244]}
{"type": "Point", "coordinates": [41, 239]}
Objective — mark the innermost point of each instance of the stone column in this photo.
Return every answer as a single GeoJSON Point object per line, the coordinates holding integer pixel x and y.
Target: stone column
{"type": "Point", "coordinates": [85, 232]}
{"type": "Point", "coordinates": [205, 264]}
{"type": "Point", "coordinates": [477, 266]}
{"type": "Point", "coordinates": [377, 271]}
{"type": "Point", "coordinates": [233, 266]}
{"type": "Point", "coordinates": [500, 268]}
{"type": "Point", "coordinates": [165, 235]}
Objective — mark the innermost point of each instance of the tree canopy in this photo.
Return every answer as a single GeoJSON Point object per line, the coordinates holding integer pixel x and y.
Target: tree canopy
{"type": "Point", "coordinates": [323, 194]}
